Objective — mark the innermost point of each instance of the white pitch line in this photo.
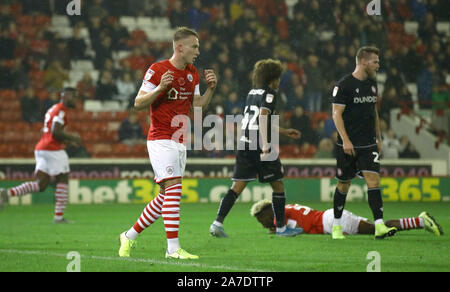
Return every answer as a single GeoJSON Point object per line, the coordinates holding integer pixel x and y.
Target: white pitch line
{"type": "Point", "coordinates": [135, 260]}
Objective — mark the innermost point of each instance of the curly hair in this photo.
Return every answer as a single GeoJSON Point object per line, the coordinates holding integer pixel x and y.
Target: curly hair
{"type": "Point", "coordinates": [265, 71]}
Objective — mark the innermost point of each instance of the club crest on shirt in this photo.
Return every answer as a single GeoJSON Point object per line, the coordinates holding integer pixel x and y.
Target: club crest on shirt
{"type": "Point", "coordinates": [269, 98]}
{"type": "Point", "coordinates": [169, 170]}
{"type": "Point", "coordinates": [374, 90]}
{"type": "Point", "coordinates": [190, 78]}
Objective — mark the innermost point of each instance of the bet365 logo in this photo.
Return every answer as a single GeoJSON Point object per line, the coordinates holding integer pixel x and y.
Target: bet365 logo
{"type": "Point", "coordinates": [374, 7]}
{"type": "Point", "coordinates": [74, 8]}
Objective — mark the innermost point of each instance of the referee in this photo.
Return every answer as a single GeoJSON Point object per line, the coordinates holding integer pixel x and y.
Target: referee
{"type": "Point", "coordinates": [359, 142]}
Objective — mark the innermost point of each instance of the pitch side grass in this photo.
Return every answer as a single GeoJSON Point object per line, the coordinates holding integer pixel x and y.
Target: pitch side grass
{"type": "Point", "coordinates": [31, 242]}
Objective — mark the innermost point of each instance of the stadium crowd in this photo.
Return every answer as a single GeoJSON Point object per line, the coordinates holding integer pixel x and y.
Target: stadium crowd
{"type": "Point", "coordinates": [316, 40]}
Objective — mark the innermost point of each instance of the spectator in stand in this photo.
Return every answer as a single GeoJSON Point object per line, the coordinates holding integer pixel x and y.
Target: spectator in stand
{"type": "Point", "coordinates": [106, 87]}
{"type": "Point", "coordinates": [55, 75]}
{"type": "Point", "coordinates": [5, 15]}
{"type": "Point", "coordinates": [197, 15]}
{"type": "Point", "coordinates": [39, 46]}
{"type": "Point", "coordinates": [300, 121]}
{"type": "Point", "coordinates": [389, 101]}
{"type": "Point", "coordinates": [297, 100]}
{"type": "Point", "coordinates": [96, 9]}
{"type": "Point", "coordinates": [126, 88]}
{"type": "Point", "coordinates": [19, 75]}
{"type": "Point", "coordinates": [325, 149]}
{"type": "Point", "coordinates": [427, 28]}
{"type": "Point", "coordinates": [130, 131]}
{"type": "Point", "coordinates": [119, 35]}
{"type": "Point", "coordinates": [52, 99]}
{"type": "Point", "coordinates": [8, 44]}
{"type": "Point", "coordinates": [393, 79]}
{"type": "Point", "coordinates": [407, 150]}
{"type": "Point", "coordinates": [61, 52]}
{"type": "Point", "coordinates": [313, 89]}
{"type": "Point", "coordinates": [405, 98]}
{"type": "Point", "coordinates": [425, 86]}
{"type": "Point", "coordinates": [391, 145]}
{"type": "Point", "coordinates": [85, 87]}
{"type": "Point", "coordinates": [138, 60]}
{"type": "Point", "coordinates": [234, 104]}
{"type": "Point", "coordinates": [30, 106]}
{"type": "Point", "coordinates": [103, 51]}
{"type": "Point", "coordinates": [6, 78]}
{"type": "Point", "coordinates": [177, 15]}
{"type": "Point", "coordinates": [77, 45]}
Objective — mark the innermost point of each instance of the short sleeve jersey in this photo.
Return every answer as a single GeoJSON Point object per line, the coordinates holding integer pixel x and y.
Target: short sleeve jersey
{"type": "Point", "coordinates": [308, 219]}
{"type": "Point", "coordinates": [170, 109]}
{"type": "Point", "coordinates": [56, 114]}
{"type": "Point", "coordinates": [257, 99]}
{"type": "Point", "coordinates": [359, 98]}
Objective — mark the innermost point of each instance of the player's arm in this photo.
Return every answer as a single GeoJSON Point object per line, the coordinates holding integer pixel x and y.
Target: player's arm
{"type": "Point", "coordinates": [291, 133]}
{"type": "Point", "coordinates": [65, 137]}
{"type": "Point", "coordinates": [203, 100]}
{"type": "Point", "coordinates": [378, 131]}
{"type": "Point", "coordinates": [338, 109]}
{"type": "Point", "coordinates": [145, 99]}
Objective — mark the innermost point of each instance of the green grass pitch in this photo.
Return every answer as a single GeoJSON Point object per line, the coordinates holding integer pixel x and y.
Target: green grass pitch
{"type": "Point", "coordinates": [29, 241]}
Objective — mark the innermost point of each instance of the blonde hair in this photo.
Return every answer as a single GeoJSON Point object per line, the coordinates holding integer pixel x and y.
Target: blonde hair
{"type": "Point", "coordinates": [259, 206]}
{"type": "Point", "coordinates": [365, 52]}
{"type": "Point", "coordinates": [183, 32]}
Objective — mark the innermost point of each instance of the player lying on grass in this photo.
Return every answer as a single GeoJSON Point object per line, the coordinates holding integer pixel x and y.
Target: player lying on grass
{"type": "Point", "coordinates": [321, 222]}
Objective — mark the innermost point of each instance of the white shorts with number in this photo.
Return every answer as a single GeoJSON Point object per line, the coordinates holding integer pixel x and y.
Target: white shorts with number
{"type": "Point", "coordinates": [350, 222]}
{"type": "Point", "coordinates": [168, 159]}
{"type": "Point", "coordinates": [52, 162]}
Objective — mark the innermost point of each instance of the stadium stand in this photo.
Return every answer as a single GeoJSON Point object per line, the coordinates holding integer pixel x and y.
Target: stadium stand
{"type": "Point", "coordinates": [233, 35]}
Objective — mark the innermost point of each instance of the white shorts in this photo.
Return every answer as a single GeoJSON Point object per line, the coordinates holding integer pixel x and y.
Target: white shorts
{"type": "Point", "coordinates": [52, 162]}
{"type": "Point", "coordinates": [350, 222]}
{"type": "Point", "coordinates": [168, 159]}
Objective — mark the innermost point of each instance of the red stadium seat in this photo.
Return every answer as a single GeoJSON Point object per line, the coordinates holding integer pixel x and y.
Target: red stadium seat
{"type": "Point", "coordinates": [8, 94]}
{"type": "Point", "coordinates": [10, 115]}
{"type": "Point", "coordinates": [120, 150]}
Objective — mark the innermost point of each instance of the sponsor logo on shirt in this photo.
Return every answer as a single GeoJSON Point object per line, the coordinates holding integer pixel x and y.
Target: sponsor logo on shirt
{"type": "Point", "coordinates": [365, 99]}
{"type": "Point", "coordinates": [149, 74]}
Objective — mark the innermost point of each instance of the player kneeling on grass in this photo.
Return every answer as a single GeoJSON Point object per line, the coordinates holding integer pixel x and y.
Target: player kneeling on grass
{"type": "Point", "coordinates": [256, 160]}
{"type": "Point", "coordinates": [51, 158]}
{"type": "Point", "coordinates": [321, 222]}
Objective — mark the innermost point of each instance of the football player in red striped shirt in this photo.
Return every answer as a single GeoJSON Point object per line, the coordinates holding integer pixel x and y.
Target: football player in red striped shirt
{"type": "Point", "coordinates": [51, 158]}
{"type": "Point", "coordinates": [321, 222]}
{"type": "Point", "coordinates": [170, 89]}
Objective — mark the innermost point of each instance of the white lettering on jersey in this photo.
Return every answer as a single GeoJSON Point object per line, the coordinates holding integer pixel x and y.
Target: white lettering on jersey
{"type": "Point", "coordinates": [364, 99]}
{"type": "Point", "coordinates": [257, 91]}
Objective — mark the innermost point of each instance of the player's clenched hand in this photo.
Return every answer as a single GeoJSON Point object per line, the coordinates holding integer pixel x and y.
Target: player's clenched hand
{"type": "Point", "coordinates": [166, 79]}
{"type": "Point", "coordinates": [211, 78]}
{"type": "Point", "coordinates": [348, 147]}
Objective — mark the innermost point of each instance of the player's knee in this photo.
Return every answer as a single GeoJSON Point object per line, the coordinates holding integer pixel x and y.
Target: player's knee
{"type": "Point", "coordinates": [343, 186]}
{"type": "Point", "coordinates": [43, 184]}
{"type": "Point", "coordinates": [277, 186]}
